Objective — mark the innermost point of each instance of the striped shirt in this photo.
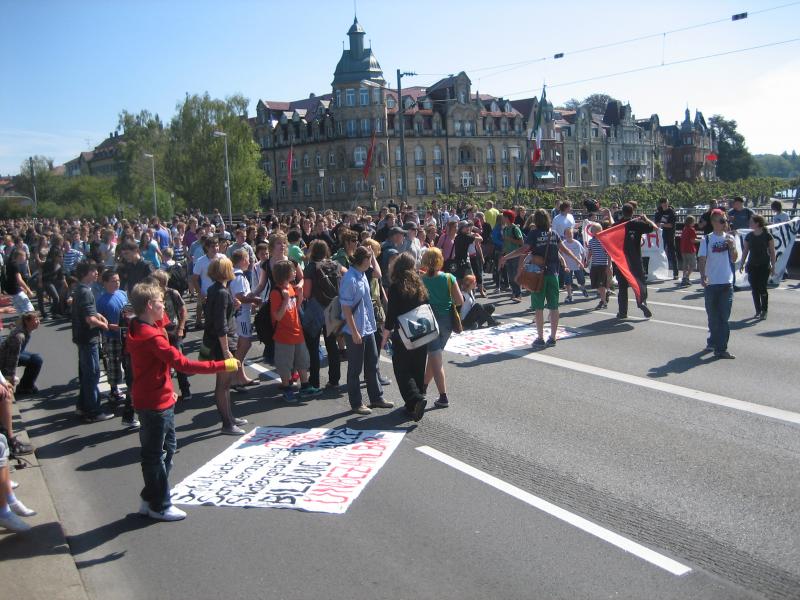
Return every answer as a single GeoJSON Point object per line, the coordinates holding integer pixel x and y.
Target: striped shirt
{"type": "Point", "coordinates": [599, 254]}
{"type": "Point", "coordinates": [71, 258]}
{"type": "Point", "coordinates": [179, 253]}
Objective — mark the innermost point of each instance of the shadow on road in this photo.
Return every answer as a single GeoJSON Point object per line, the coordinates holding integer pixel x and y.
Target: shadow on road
{"type": "Point", "coordinates": [779, 332]}
{"type": "Point", "coordinates": [94, 538]}
{"type": "Point", "coordinates": [681, 364]}
{"type": "Point", "coordinates": [41, 540]}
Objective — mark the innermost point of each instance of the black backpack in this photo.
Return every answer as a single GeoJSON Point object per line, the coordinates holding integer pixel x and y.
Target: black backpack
{"type": "Point", "coordinates": [178, 280]}
{"type": "Point", "coordinates": [326, 282]}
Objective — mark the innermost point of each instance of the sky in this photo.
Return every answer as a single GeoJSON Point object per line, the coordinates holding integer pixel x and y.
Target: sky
{"type": "Point", "coordinates": [70, 68]}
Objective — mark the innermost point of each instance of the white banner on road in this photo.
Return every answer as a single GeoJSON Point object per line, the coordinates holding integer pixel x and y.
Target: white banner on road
{"type": "Point", "coordinates": [503, 338]}
{"type": "Point", "coordinates": [315, 470]}
{"type": "Point", "coordinates": [652, 249]}
{"type": "Point", "coordinates": [784, 234]}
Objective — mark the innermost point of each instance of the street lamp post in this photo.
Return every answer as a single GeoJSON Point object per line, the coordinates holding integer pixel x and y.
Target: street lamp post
{"type": "Point", "coordinates": [153, 166]}
{"type": "Point", "coordinates": [400, 111]}
{"type": "Point", "coordinates": [321, 173]}
{"type": "Point", "coordinates": [224, 137]}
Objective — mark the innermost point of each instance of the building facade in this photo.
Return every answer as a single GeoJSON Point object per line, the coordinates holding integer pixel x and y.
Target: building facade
{"type": "Point", "coordinates": [100, 162]}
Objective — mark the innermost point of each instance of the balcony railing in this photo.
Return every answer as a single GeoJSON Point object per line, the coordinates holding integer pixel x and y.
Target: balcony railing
{"type": "Point", "coordinates": [419, 162]}
{"type": "Point", "coordinates": [491, 160]}
{"type": "Point", "coordinates": [438, 161]}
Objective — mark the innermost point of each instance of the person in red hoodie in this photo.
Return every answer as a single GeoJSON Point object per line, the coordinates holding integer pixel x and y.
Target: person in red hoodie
{"type": "Point", "coordinates": [152, 356]}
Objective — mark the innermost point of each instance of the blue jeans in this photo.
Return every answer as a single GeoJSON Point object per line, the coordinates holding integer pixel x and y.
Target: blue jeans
{"type": "Point", "coordinates": [157, 437]}
{"type": "Point", "coordinates": [363, 356]}
{"type": "Point", "coordinates": [719, 300]}
{"type": "Point", "coordinates": [33, 365]}
{"type": "Point", "coordinates": [89, 376]}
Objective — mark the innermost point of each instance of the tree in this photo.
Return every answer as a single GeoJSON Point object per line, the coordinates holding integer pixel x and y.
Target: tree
{"type": "Point", "coordinates": [194, 162]}
{"type": "Point", "coordinates": [598, 102]}
{"type": "Point", "coordinates": [41, 169]}
{"type": "Point", "coordinates": [572, 104]}
{"type": "Point", "coordinates": [143, 134]}
{"type": "Point", "coordinates": [734, 160]}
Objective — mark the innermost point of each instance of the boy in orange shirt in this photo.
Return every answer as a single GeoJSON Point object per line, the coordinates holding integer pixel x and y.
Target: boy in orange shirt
{"type": "Point", "coordinates": [291, 353]}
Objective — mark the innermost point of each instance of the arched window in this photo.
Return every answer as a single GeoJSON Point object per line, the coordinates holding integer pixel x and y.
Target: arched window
{"type": "Point", "coordinates": [306, 160]}
{"type": "Point", "coordinates": [419, 155]}
{"type": "Point", "coordinates": [360, 156]}
{"type": "Point", "coordinates": [318, 159]}
{"type": "Point", "coordinates": [490, 154]}
{"type": "Point", "coordinates": [437, 155]}
{"type": "Point", "coordinates": [398, 156]}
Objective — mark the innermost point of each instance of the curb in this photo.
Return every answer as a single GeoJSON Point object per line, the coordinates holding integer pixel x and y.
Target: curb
{"type": "Point", "coordinates": [37, 565]}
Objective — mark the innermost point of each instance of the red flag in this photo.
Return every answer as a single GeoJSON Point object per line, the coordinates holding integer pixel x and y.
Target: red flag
{"type": "Point", "coordinates": [291, 160]}
{"type": "Point", "coordinates": [368, 163]}
{"type": "Point", "coordinates": [712, 157]}
{"type": "Point", "coordinates": [613, 240]}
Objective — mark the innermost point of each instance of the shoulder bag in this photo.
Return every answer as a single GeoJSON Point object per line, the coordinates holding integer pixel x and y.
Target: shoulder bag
{"type": "Point", "coordinates": [418, 327]}
{"type": "Point", "coordinates": [533, 280]}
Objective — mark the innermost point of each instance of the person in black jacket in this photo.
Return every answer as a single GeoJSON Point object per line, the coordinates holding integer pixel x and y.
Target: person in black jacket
{"type": "Point", "coordinates": [219, 336]}
{"type": "Point", "coordinates": [665, 218]}
{"type": "Point", "coordinates": [406, 292]}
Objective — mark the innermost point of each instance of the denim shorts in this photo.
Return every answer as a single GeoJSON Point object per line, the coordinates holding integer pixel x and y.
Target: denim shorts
{"type": "Point", "coordinates": [445, 323]}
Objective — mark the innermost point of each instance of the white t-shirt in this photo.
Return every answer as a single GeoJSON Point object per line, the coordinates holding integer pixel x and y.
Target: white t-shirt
{"type": "Point", "coordinates": [718, 263]}
{"type": "Point", "coordinates": [201, 269]}
{"type": "Point", "coordinates": [240, 285]}
{"type": "Point", "coordinates": [577, 249]}
{"type": "Point", "coordinates": [562, 222]}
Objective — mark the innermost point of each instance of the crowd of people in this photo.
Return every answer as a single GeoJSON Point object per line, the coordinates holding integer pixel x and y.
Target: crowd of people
{"type": "Point", "coordinates": [308, 284]}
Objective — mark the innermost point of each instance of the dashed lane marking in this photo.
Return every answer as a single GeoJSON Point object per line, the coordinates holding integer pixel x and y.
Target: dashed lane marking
{"type": "Point", "coordinates": [623, 543]}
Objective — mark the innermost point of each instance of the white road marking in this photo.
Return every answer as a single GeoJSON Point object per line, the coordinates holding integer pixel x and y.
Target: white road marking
{"type": "Point", "coordinates": [643, 320]}
{"type": "Point", "coordinates": [661, 386]}
{"type": "Point", "coordinates": [262, 369]}
{"type": "Point", "coordinates": [686, 306]}
{"type": "Point", "coordinates": [623, 543]}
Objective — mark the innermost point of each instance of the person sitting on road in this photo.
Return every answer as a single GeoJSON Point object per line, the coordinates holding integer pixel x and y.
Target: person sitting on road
{"type": "Point", "coordinates": [475, 315]}
{"type": "Point", "coordinates": [152, 356]}
{"type": "Point", "coordinates": [11, 508]}
{"type": "Point", "coordinates": [13, 354]}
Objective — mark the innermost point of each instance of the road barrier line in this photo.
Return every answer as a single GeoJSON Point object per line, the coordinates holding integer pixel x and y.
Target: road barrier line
{"type": "Point", "coordinates": [623, 543]}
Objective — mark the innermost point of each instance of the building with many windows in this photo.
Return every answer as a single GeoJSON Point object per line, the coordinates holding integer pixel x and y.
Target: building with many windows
{"type": "Point", "coordinates": [455, 140]}
{"type": "Point", "coordinates": [102, 161]}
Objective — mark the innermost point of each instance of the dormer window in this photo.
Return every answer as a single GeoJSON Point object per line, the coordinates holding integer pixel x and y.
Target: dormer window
{"type": "Point", "coordinates": [508, 107]}
{"type": "Point", "coordinates": [390, 103]}
{"type": "Point", "coordinates": [427, 104]}
{"type": "Point", "coordinates": [408, 102]}
{"type": "Point", "coordinates": [462, 96]}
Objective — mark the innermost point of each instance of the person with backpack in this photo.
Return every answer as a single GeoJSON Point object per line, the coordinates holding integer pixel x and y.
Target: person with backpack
{"type": "Point", "coordinates": [278, 247]}
{"type": "Point", "coordinates": [320, 286]}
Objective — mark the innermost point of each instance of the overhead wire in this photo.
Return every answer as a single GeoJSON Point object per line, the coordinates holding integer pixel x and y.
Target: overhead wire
{"type": "Point", "coordinates": [658, 66]}
{"type": "Point", "coordinates": [519, 64]}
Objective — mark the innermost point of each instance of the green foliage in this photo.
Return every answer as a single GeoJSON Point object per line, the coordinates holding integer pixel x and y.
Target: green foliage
{"type": "Point", "coordinates": [646, 195]}
{"type": "Point", "coordinates": [735, 161]}
{"type": "Point", "coordinates": [779, 165]}
{"type": "Point", "coordinates": [598, 102]}
{"type": "Point", "coordinates": [195, 160]}
{"type": "Point", "coordinates": [143, 134]}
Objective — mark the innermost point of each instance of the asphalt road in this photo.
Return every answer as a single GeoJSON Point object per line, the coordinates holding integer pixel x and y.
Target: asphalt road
{"type": "Point", "coordinates": [628, 425]}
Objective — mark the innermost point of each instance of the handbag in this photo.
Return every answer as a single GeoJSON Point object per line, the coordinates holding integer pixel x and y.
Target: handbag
{"type": "Point", "coordinates": [418, 327]}
{"type": "Point", "coordinates": [533, 279]}
{"type": "Point", "coordinates": [458, 327]}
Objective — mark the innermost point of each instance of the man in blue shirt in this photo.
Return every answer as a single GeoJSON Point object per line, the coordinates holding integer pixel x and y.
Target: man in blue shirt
{"type": "Point", "coordinates": [359, 333]}
{"type": "Point", "coordinates": [110, 304]}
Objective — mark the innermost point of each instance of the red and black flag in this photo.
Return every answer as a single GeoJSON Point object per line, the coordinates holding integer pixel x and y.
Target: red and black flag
{"type": "Point", "coordinates": [613, 241]}
{"type": "Point", "coordinates": [368, 163]}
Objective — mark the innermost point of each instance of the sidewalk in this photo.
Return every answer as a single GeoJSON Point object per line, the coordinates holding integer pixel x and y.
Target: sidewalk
{"type": "Point", "coordinates": [37, 565]}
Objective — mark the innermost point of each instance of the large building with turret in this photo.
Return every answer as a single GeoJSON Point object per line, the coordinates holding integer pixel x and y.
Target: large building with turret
{"type": "Point", "coordinates": [454, 139]}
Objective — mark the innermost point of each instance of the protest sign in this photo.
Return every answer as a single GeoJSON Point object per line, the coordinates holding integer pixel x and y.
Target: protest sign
{"type": "Point", "coordinates": [784, 235]}
{"type": "Point", "coordinates": [315, 470]}
{"type": "Point", "coordinates": [502, 338]}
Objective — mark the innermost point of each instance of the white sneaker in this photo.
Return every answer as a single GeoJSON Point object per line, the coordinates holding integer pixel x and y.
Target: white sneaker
{"type": "Point", "coordinates": [18, 508]}
{"type": "Point", "coordinates": [14, 485]}
{"type": "Point", "coordinates": [144, 507]}
{"type": "Point", "coordinates": [13, 523]}
{"type": "Point", "coordinates": [171, 513]}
